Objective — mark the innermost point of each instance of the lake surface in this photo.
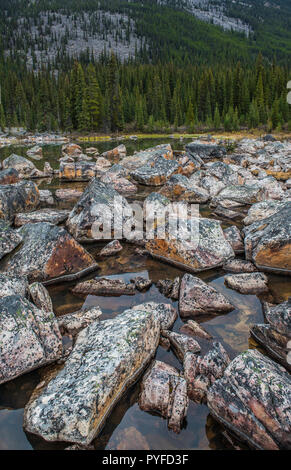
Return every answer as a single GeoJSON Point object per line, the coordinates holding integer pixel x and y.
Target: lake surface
{"type": "Point", "coordinates": [128, 427]}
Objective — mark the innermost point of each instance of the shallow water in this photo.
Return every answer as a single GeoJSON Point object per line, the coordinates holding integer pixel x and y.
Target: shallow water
{"type": "Point", "coordinates": [128, 427]}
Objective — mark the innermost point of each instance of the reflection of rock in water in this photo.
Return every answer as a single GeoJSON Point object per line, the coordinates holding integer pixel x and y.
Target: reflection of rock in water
{"type": "Point", "coordinates": [219, 438]}
{"type": "Point", "coordinates": [15, 394]}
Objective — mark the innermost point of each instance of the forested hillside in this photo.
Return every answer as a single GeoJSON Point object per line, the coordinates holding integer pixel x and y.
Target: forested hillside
{"type": "Point", "coordinates": [155, 65]}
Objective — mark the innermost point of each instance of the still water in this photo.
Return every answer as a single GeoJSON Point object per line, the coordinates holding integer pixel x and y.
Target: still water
{"type": "Point", "coordinates": [128, 427]}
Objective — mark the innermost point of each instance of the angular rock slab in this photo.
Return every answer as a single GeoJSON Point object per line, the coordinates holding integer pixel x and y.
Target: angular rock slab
{"type": "Point", "coordinates": [206, 151]}
{"type": "Point", "coordinates": [263, 210]}
{"type": "Point", "coordinates": [164, 390]}
{"type": "Point", "coordinates": [181, 344]}
{"type": "Point", "coordinates": [40, 297]}
{"type": "Point", "coordinates": [253, 400]}
{"type": "Point", "coordinates": [107, 358]}
{"type": "Point", "coordinates": [19, 197]}
{"type": "Point", "coordinates": [247, 283]}
{"type": "Point", "coordinates": [13, 285]}
{"type": "Point", "coordinates": [73, 323]}
{"type": "Point", "coordinates": [156, 172]}
{"type": "Point", "coordinates": [179, 187]}
{"type": "Point", "coordinates": [268, 242]}
{"type": "Point", "coordinates": [48, 252]}
{"type": "Point", "coordinates": [9, 239]}
{"type": "Point", "coordinates": [207, 250]}
{"type": "Point", "coordinates": [199, 298]}
{"type": "Point", "coordinates": [104, 286]}
{"type": "Point", "coordinates": [46, 215]}
{"type": "Point", "coordinates": [24, 166]}
{"type": "Point", "coordinates": [29, 337]}
{"type": "Point", "coordinates": [233, 236]}
{"type": "Point", "coordinates": [165, 313]}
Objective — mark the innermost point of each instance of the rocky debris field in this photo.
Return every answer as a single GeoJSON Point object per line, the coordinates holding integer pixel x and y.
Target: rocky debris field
{"type": "Point", "coordinates": [87, 361]}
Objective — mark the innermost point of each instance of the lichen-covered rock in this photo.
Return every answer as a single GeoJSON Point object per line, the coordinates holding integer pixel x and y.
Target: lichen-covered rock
{"type": "Point", "coordinates": [72, 149]}
{"type": "Point", "coordinates": [263, 210]}
{"type": "Point", "coordinates": [238, 195]}
{"type": "Point", "coordinates": [234, 238]}
{"type": "Point", "coordinates": [13, 285]}
{"type": "Point", "coordinates": [227, 213]}
{"type": "Point", "coordinates": [206, 151]}
{"type": "Point", "coordinates": [107, 358]}
{"type": "Point", "coordinates": [104, 286]}
{"type": "Point", "coordinates": [46, 215]}
{"type": "Point", "coordinates": [165, 313]}
{"type": "Point", "coordinates": [180, 188]}
{"type": "Point", "coordinates": [191, 327]}
{"type": "Point", "coordinates": [164, 390]}
{"type": "Point", "coordinates": [95, 205]}
{"type": "Point", "coordinates": [23, 166]}
{"type": "Point", "coordinates": [35, 152]}
{"type": "Point", "coordinates": [73, 323]}
{"type": "Point", "coordinates": [67, 194]}
{"type": "Point", "coordinates": [169, 288]}
{"type": "Point", "coordinates": [268, 242]}
{"type": "Point", "coordinates": [112, 248]}
{"type": "Point", "coordinates": [18, 197]}
{"type": "Point", "coordinates": [212, 185]}
{"type": "Point", "coordinates": [201, 372]}
{"type": "Point", "coordinates": [247, 283]}
{"type": "Point", "coordinates": [239, 266]}
{"type": "Point", "coordinates": [9, 239]}
{"type": "Point", "coordinates": [181, 344]}
{"type": "Point", "coordinates": [252, 399]}
{"type": "Point", "coordinates": [40, 297]}
{"type": "Point", "coordinates": [46, 197]}
{"type": "Point", "coordinates": [199, 298]}
{"type": "Point", "coordinates": [147, 156]}
{"type": "Point", "coordinates": [223, 172]}
{"type": "Point", "coordinates": [29, 337]}
{"type": "Point", "coordinates": [9, 176]}
{"type": "Point", "coordinates": [205, 249]}
{"type": "Point", "coordinates": [48, 252]}
{"type": "Point", "coordinates": [156, 172]}
{"type": "Point", "coordinates": [119, 183]}
{"type": "Point", "coordinates": [80, 171]}
{"type": "Point", "coordinates": [142, 284]}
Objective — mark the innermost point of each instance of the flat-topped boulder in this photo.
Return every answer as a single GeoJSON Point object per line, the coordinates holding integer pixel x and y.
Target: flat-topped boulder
{"type": "Point", "coordinates": [13, 285]}
{"type": "Point", "coordinates": [156, 172]}
{"type": "Point", "coordinates": [248, 283]}
{"type": "Point", "coordinates": [9, 239]}
{"type": "Point", "coordinates": [206, 151]}
{"type": "Point", "coordinates": [238, 195]}
{"type": "Point", "coordinates": [252, 399]}
{"type": "Point", "coordinates": [95, 207]}
{"type": "Point", "coordinates": [199, 298]}
{"type": "Point", "coordinates": [104, 286]}
{"type": "Point", "coordinates": [179, 187]}
{"type": "Point", "coordinates": [239, 266]}
{"type": "Point", "coordinates": [263, 210]}
{"type": "Point", "coordinates": [164, 390]}
{"type": "Point", "coordinates": [268, 242]}
{"type": "Point", "coordinates": [106, 360]}
{"type": "Point", "coordinates": [201, 246]}
{"type": "Point", "coordinates": [9, 176]}
{"type": "Point", "coordinates": [48, 252]}
{"type": "Point", "coordinates": [18, 197]}
{"type": "Point", "coordinates": [77, 171]}
{"type": "Point", "coordinates": [51, 216]}
{"type": "Point", "coordinates": [144, 157]}
{"type": "Point", "coordinates": [29, 337]}
{"type": "Point", "coordinates": [22, 165]}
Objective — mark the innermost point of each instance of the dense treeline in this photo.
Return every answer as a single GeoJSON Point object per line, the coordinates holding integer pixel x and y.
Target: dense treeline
{"type": "Point", "coordinates": [110, 96]}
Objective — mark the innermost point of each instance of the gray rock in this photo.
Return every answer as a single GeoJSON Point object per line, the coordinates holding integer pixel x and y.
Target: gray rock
{"type": "Point", "coordinates": [9, 176]}
{"type": "Point", "coordinates": [252, 399]}
{"type": "Point", "coordinates": [29, 337]}
{"type": "Point", "coordinates": [13, 285]}
{"type": "Point", "coordinates": [180, 188]}
{"type": "Point", "coordinates": [40, 297]}
{"type": "Point", "coordinates": [193, 328]}
{"type": "Point", "coordinates": [18, 197]}
{"type": "Point", "coordinates": [46, 197]}
{"type": "Point", "coordinates": [165, 313]}
{"type": "Point", "coordinates": [72, 323]}
{"type": "Point", "coordinates": [9, 239]}
{"type": "Point", "coordinates": [156, 172]}
{"type": "Point", "coordinates": [247, 283]}
{"type": "Point", "coordinates": [239, 266]}
{"type": "Point", "coordinates": [22, 165]}
{"type": "Point", "coordinates": [141, 284]}
{"type": "Point", "coordinates": [46, 215]}
{"type": "Point", "coordinates": [236, 196]}
{"type": "Point", "coordinates": [198, 298]}
{"type": "Point", "coordinates": [107, 358]}
{"type": "Point", "coordinates": [104, 286]}
{"type": "Point", "coordinates": [264, 209]}
{"type": "Point", "coordinates": [206, 151]}
{"type": "Point", "coordinates": [181, 343]}
{"type": "Point", "coordinates": [234, 238]}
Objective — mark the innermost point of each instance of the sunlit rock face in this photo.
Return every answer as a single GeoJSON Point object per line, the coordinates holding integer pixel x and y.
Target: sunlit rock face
{"type": "Point", "coordinates": [107, 358]}
{"type": "Point", "coordinates": [252, 399]}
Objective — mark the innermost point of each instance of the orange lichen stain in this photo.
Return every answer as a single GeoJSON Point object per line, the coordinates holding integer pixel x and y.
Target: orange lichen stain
{"type": "Point", "coordinates": [279, 175]}
{"type": "Point", "coordinates": [275, 257]}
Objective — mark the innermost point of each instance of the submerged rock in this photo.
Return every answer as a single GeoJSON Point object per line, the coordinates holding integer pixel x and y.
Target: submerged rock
{"type": "Point", "coordinates": [46, 215]}
{"type": "Point", "coordinates": [112, 248]}
{"type": "Point", "coordinates": [13, 285]}
{"type": "Point", "coordinates": [107, 358]}
{"type": "Point", "coordinates": [104, 286]}
{"type": "Point", "coordinates": [181, 344]}
{"type": "Point", "coordinates": [268, 242]}
{"type": "Point", "coordinates": [252, 399]}
{"type": "Point", "coordinates": [48, 252]}
{"type": "Point", "coordinates": [9, 176]}
{"type": "Point", "coordinates": [164, 390]}
{"type": "Point", "coordinates": [9, 239]}
{"type": "Point", "coordinates": [199, 298]}
{"type": "Point", "coordinates": [18, 197]}
{"type": "Point", "coordinates": [29, 337]}
{"type": "Point", "coordinates": [247, 283]}
{"type": "Point", "coordinates": [191, 327]}
{"type": "Point", "coordinates": [201, 372]}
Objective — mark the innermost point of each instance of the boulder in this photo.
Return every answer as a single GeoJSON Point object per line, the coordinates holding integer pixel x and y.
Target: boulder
{"type": "Point", "coordinates": [156, 172]}
{"type": "Point", "coordinates": [179, 188]}
{"type": "Point", "coordinates": [23, 166]}
{"type": "Point", "coordinates": [46, 215]}
{"type": "Point", "coordinates": [72, 323]}
{"type": "Point", "coordinates": [237, 196]}
{"type": "Point", "coordinates": [40, 297]}
{"type": "Point", "coordinates": [80, 171]}
{"type": "Point", "coordinates": [46, 197]}
{"type": "Point", "coordinates": [165, 313]}
{"type": "Point", "coordinates": [201, 372]}
{"type": "Point", "coordinates": [106, 360]}
{"type": "Point", "coordinates": [9, 176]}
{"type": "Point", "coordinates": [199, 298]}
{"type": "Point", "coordinates": [18, 197]}
{"type": "Point", "coordinates": [141, 284]}
{"type": "Point", "coordinates": [119, 183]}
{"type": "Point", "coordinates": [263, 210]}
{"type": "Point", "coordinates": [9, 239]}
{"type": "Point", "coordinates": [206, 151]}
{"type": "Point", "coordinates": [193, 328]}
{"type": "Point", "coordinates": [169, 288]}
{"type": "Point", "coordinates": [181, 344]}
{"type": "Point", "coordinates": [164, 390]}
{"type": "Point", "coordinates": [35, 152]}
{"type": "Point", "coordinates": [13, 285]}
{"type": "Point", "coordinates": [104, 286]}
{"type": "Point", "coordinates": [67, 194]}
{"type": "Point", "coordinates": [49, 252]}
{"type": "Point", "coordinates": [247, 283]}
{"type": "Point", "coordinates": [119, 152]}
{"type": "Point", "coordinates": [252, 399]}
{"type": "Point", "coordinates": [71, 149]}
{"type": "Point", "coordinates": [29, 337]}
{"type": "Point", "coordinates": [223, 172]}
{"type": "Point", "coordinates": [225, 213]}
{"type": "Point", "coordinates": [212, 185]}
{"type": "Point", "coordinates": [147, 156]}
{"type": "Point", "coordinates": [268, 242]}
{"type": "Point", "coordinates": [112, 248]}
{"type": "Point", "coordinates": [234, 238]}
{"type": "Point", "coordinates": [239, 266]}
{"type": "Point", "coordinates": [201, 246]}
{"type": "Point", "coordinates": [92, 151]}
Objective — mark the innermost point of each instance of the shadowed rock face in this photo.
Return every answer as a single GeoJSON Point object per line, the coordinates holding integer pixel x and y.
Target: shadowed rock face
{"type": "Point", "coordinates": [106, 359]}
{"type": "Point", "coordinates": [233, 236]}
{"type": "Point", "coordinates": [29, 337]}
{"type": "Point", "coordinates": [9, 239]}
{"type": "Point", "coordinates": [48, 252]}
{"type": "Point", "coordinates": [253, 400]}
{"type": "Point", "coordinates": [206, 151]}
{"type": "Point", "coordinates": [73, 323]}
{"type": "Point", "coordinates": [19, 197]}
{"type": "Point", "coordinates": [268, 242]}
{"type": "Point", "coordinates": [208, 249]}
{"type": "Point", "coordinates": [9, 176]}
{"type": "Point", "coordinates": [198, 298]}
{"type": "Point", "coordinates": [164, 390]}
{"type": "Point", "coordinates": [181, 344]}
